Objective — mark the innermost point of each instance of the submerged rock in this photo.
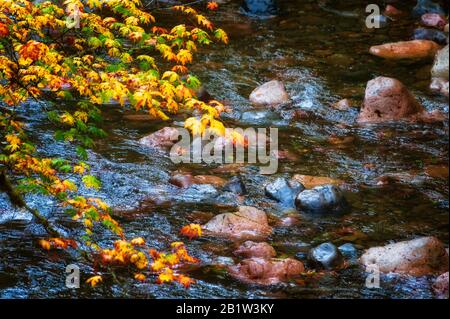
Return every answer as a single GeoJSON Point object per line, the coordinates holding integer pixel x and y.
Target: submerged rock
{"type": "Point", "coordinates": [433, 20]}
{"type": "Point", "coordinates": [259, 8]}
{"type": "Point", "coordinates": [348, 250]}
{"type": "Point", "coordinates": [326, 256]}
{"type": "Point", "coordinates": [247, 223]}
{"type": "Point", "coordinates": [266, 272]}
{"type": "Point", "coordinates": [430, 34]}
{"type": "Point", "coordinates": [164, 138]}
{"type": "Point", "coordinates": [187, 180]}
{"type": "Point", "coordinates": [388, 99]}
{"type": "Point", "coordinates": [440, 66]}
{"type": "Point", "coordinates": [427, 6]}
{"type": "Point", "coordinates": [440, 286]}
{"type": "Point", "coordinates": [250, 249]}
{"type": "Point", "coordinates": [326, 199]}
{"type": "Point", "coordinates": [283, 191]}
{"type": "Point", "coordinates": [417, 257]}
{"type": "Point", "coordinates": [415, 49]}
{"type": "Point", "coordinates": [270, 94]}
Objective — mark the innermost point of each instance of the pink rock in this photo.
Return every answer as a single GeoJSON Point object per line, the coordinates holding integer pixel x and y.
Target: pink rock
{"type": "Point", "coordinates": [440, 286]}
{"type": "Point", "coordinates": [415, 49]}
{"type": "Point", "coordinates": [266, 272]}
{"type": "Point", "coordinates": [387, 99]}
{"type": "Point", "coordinates": [248, 223]}
{"type": "Point", "coordinates": [417, 257]}
{"type": "Point", "coordinates": [250, 249]}
{"type": "Point", "coordinates": [270, 93]}
{"type": "Point", "coordinates": [433, 20]}
{"type": "Point", "coordinates": [164, 138]}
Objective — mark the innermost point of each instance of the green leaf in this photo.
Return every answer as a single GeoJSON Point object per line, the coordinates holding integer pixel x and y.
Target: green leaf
{"type": "Point", "coordinates": [91, 182]}
{"type": "Point", "coordinates": [82, 153]}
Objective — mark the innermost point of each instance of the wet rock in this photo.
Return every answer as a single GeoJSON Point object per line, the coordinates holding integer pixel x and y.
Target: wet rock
{"type": "Point", "coordinates": [181, 180]}
{"type": "Point", "coordinates": [415, 49]}
{"type": "Point", "coordinates": [250, 249]}
{"type": "Point", "coordinates": [433, 20]}
{"type": "Point", "coordinates": [210, 180]}
{"type": "Point", "coordinates": [270, 93]}
{"type": "Point", "coordinates": [427, 6]}
{"type": "Point", "coordinates": [228, 169]}
{"type": "Point", "coordinates": [440, 286]}
{"type": "Point", "coordinates": [283, 191]}
{"type": "Point", "coordinates": [259, 8]}
{"type": "Point", "coordinates": [266, 272]}
{"type": "Point", "coordinates": [387, 99]}
{"type": "Point", "coordinates": [236, 185]}
{"type": "Point", "coordinates": [327, 199]}
{"type": "Point", "coordinates": [187, 180]}
{"type": "Point", "coordinates": [312, 181]}
{"type": "Point", "coordinates": [248, 223]}
{"type": "Point", "coordinates": [164, 138]}
{"type": "Point", "coordinates": [440, 65]}
{"type": "Point", "coordinates": [392, 11]}
{"type": "Point", "coordinates": [326, 256]}
{"type": "Point", "coordinates": [417, 257]}
{"type": "Point", "coordinates": [430, 34]}
{"type": "Point", "coordinates": [349, 251]}
{"type": "Point", "coordinates": [440, 85]}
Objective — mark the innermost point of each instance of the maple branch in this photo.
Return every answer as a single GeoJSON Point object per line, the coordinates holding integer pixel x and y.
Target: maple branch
{"type": "Point", "coordinates": [17, 200]}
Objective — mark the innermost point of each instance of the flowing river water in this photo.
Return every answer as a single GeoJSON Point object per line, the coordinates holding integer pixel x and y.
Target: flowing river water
{"type": "Point", "coordinates": [322, 57]}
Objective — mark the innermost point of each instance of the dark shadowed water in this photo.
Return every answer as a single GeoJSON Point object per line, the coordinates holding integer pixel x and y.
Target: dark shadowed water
{"type": "Point", "coordinates": [322, 57]}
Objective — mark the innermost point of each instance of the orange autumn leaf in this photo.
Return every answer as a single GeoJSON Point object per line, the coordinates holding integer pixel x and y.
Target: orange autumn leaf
{"type": "Point", "coordinates": [185, 280]}
{"type": "Point", "coordinates": [191, 231]}
{"type": "Point", "coordinates": [212, 5]}
{"type": "Point", "coordinates": [45, 244]}
{"type": "Point", "coordinates": [4, 31]}
{"type": "Point", "coordinates": [33, 50]}
{"type": "Point", "coordinates": [94, 280]}
{"type": "Point", "coordinates": [140, 277]}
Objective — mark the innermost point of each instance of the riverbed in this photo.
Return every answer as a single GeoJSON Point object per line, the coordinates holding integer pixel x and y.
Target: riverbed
{"type": "Point", "coordinates": [322, 57]}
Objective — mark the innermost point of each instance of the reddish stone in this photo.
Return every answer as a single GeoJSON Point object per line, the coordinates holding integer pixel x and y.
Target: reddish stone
{"type": "Point", "coordinates": [415, 49]}
{"type": "Point", "coordinates": [250, 249]}
{"type": "Point", "coordinates": [266, 272]}
{"type": "Point", "coordinates": [388, 99]}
